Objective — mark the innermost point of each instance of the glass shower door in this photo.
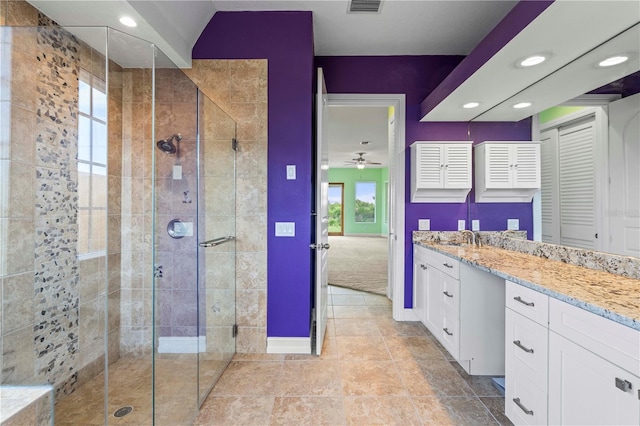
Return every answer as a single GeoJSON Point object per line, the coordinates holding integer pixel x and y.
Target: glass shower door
{"type": "Point", "coordinates": [217, 246]}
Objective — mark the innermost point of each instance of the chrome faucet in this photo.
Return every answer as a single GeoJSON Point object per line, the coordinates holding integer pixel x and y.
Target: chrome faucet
{"type": "Point", "coordinates": [472, 239]}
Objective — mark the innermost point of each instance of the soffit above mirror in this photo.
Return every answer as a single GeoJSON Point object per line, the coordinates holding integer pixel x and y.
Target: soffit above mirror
{"type": "Point", "coordinates": [574, 36]}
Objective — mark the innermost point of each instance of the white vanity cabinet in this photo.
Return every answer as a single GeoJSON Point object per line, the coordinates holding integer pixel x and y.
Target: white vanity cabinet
{"type": "Point", "coordinates": [463, 307]}
{"type": "Point", "coordinates": [440, 171]}
{"type": "Point", "coordinates": [526, 351]}
{"type": "Point", "coordinates": [506, 171]}
{"type": "Point", "coordinates": [594, 369]}
{"type": "Point", "coordinates": [566, 365]}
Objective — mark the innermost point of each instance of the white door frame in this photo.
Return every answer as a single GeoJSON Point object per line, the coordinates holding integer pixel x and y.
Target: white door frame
{"type": "Point", "coordinates": [397, 178]}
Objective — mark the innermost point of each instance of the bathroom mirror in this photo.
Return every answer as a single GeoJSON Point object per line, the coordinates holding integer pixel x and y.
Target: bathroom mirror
{"type": "Point", "coordinates": [566, 87]}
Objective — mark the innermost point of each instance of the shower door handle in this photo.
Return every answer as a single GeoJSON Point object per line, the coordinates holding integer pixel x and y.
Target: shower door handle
{"type": "Point", "coordinates": [217, 241]}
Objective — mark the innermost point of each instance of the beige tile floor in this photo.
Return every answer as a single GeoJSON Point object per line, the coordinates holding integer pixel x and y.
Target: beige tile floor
{"type": "Point", "coordinates": [130, 384]}
{"type": "Point", "coordinates": [373, 371]}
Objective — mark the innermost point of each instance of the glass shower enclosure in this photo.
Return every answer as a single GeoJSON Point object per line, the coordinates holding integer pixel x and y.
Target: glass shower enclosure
{"type": "Point", "coordinates": [117, 228]}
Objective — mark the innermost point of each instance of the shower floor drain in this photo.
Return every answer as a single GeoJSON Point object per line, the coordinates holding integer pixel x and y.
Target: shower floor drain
{"type": "Point", "coordinates": [123, 411]}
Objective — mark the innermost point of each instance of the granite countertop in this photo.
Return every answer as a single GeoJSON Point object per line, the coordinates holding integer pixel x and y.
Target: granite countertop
{"type": "Point", "coordinates": [605, 294]}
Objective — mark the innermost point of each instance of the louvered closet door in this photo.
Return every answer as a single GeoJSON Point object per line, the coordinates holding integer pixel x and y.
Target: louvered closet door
{"type": "Point", "coordinates": [457, 166]}
{"type": "Point", "coordinates": [430, 162]}
{"type": "Point", "coordinates": [577, 176]}
{"type": "Point", "coordinates": [526, 168]}
{"type": "Point", "coordinates": [498, 157]}
{"type": "Point", "coordinates": [549, 186]}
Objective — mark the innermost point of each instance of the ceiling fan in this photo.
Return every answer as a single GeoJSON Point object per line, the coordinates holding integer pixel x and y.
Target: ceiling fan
{"type": "Point", "coordinates": [360, 162]}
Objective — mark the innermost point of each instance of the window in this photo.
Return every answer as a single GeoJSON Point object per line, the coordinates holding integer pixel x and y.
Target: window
{"type": "Point", "coordinates": [336, 200]}
{"type": "Point", "coordinates": [365, 208]}
{"type": "Point", "coordinates": [92, 166]}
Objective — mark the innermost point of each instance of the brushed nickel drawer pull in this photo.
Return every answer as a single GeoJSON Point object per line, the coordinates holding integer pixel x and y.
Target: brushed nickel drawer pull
{"type": "Point", "coordinates": [524, 348]}
{"type": "Point", "coordinates": [446, 330]}
{"type": "Point", "coordinates": [519, 299]}
{"type": "Point", "coordinates": [623, 385]}
{"type": "Point", "coordinates": [447, 265]}
{"type": "Point", "coordinates": [522, 407]}
{"type": "Point", "coordinates": [446, 293]}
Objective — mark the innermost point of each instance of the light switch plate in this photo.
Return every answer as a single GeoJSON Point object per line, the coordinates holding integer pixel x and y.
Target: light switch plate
{"type": "Point", "coordinates": [475, 225]}
{"type": "Point", "coordinates": [424, 224]}
{"type": "Point", "coordinates": [285, 229]}
{"type": "Point", "coordinates": [461, 224]}
{"type": "Point", "coordinates": [513, 224]}
{"type": "Point", "coordinates": [291, 172]}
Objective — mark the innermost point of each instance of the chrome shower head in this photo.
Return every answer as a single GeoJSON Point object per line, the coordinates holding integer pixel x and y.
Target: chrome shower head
{"type": "Point", "coordinates": [167, 145]}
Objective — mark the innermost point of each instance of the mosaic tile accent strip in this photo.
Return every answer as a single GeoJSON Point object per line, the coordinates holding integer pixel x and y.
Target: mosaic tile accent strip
{"type": "Point", "coordinates": [56, 236]}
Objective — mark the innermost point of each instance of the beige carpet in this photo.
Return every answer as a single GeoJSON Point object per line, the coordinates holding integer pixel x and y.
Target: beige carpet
{"type": "Point", "coordinates": [359, 263]}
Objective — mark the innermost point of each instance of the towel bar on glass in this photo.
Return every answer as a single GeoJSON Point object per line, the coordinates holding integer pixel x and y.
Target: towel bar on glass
{"type": "Point", "coordinates": [217, 241]}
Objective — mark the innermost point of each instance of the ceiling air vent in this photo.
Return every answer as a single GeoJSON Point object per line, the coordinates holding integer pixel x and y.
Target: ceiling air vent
{"type": "Point", "coordinates": [368, 6]}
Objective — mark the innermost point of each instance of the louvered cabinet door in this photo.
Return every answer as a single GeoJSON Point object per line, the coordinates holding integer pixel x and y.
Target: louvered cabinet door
{"type": "Point", "coordinates": [577, 179]}
{"type": "Point", "coordinates": [498, 166]}
{"type": "Point", "coordinates": [429, 166]}
{"type": "Point", "coordinates": [457, 169]}
{"type": "Point", "coordinates": [526, 166]}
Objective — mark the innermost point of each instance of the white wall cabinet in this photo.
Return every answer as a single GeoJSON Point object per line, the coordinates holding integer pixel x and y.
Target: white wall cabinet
{"type": "Point", "coordinates": [463, 307]}
{"type": "Point", "coordinates": [507, 171]}
{"type": "Point", "coordinates": [440, 171]}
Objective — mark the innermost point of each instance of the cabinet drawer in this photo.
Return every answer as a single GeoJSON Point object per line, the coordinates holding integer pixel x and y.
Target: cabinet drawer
{"type": "Point", "coordinates": [450, 334]}
{"type": "Point", "coordinates": [606, 338]}
{"type": "Point", "coordinates": [530, 303]}
{"type": "Point", "coordinates": [444, 263]}
{"type": "Point", "coordinates": [524, 402]}
{"type": "Point", "coordinates": [526, 347]}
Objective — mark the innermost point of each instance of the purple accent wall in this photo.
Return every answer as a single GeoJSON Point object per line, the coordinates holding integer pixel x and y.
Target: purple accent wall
{"type": "Point", "coordinates": [626, 86]}
{"type": "Point", "coordinates": [285, 39]}
{"type": "Point", "coordinates": [416, 77]}
{"type": "Point", "coordinates": [516, 20]}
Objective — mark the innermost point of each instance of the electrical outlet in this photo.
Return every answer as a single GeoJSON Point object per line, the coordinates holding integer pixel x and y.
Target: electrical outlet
{"type": "Point", "coordinates": [513, 224]}
{"type": "Point", "coordinates": [424, 224]}
{"type": "Point", "coordinates": [461, 224]}
{"type": "Point", "coordinates": [475, 225]}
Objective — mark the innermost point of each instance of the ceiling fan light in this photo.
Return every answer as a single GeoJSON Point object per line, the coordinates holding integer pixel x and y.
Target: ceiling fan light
{"type": "Point", "coordinates": [360, 166]}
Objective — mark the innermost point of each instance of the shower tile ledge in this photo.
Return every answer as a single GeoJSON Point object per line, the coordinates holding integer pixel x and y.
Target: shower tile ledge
{"type": "Point", "coordinates": [22, 404]}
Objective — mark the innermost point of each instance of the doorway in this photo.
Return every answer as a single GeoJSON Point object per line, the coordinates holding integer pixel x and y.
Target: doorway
{"type": "Point", "coordinates": [336, 209]}
{"type": "Point", "coordinates": [396, 182]}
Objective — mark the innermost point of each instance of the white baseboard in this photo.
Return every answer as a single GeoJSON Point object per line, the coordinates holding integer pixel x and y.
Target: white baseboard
{"type": "Point", "coordinates": [182, 345]}
{"type": "Point", "coordinates": [288, 345]}
{"type": "Point", "coordinates": [406, 314]}
{"type": "Point", "coordinates": [364, 235]}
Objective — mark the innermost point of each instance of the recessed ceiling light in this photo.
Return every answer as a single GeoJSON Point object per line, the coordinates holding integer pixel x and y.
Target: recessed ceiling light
{"type": "Point", "coordinates": [614, 60]}
{"type": "Point", "coordinates": [470, 105]}
{"type": "Point", "coordinates": [520, 105]}
{"type": "Point", "coordinates": [128, 21]}
{"type": "Point", "coordinates": [532, 60]}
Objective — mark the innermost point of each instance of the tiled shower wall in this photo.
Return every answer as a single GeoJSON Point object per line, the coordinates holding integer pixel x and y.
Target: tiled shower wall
{"type": "Point", "coordinates": [52, 304]}
{"type": "Point", "coordinates": [239, 87]}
